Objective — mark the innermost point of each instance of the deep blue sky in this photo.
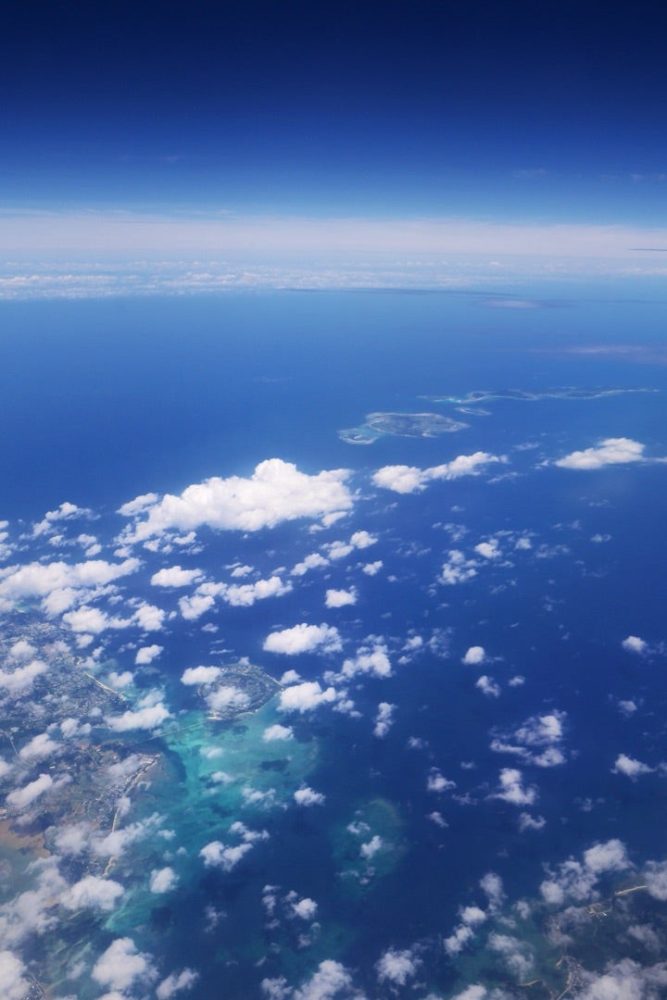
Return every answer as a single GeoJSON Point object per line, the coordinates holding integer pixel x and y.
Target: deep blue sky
{"type": "Point", "coordinates": [512, 108]}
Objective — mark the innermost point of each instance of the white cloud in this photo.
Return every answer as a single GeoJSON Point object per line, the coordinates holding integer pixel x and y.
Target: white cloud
{"type": "Point", "coordinates": [66, 512]}
{"type": "Point", "coordinates": [457, 569]}
{"type": "Point", "coordinates": [371, 847]}
{"type": "Point", "coordinates": [175, 983]}
{"type": "Point", "coordinates": [163, 880]}
{"type": "Point", "coordinates": [312, 561]}
{"type": "Point", "coordinates": [536, 741]}
{"type": "Point", "coordinates": [474, 655]}
{"type": "Point", "coordinates": [21, 798]}
{"type": "Point", "coordinates": [363, 539]}
{"type": "Point", "coordinates": [43, 579]}
{"type": "Point", "coordinates": [516, 954]}
{"type": "Point", "coordinates": [512, 789]}
{"type": "Point", "coordinates": [488, 687]}
{"type": "Point", "coordinates": [217, 855]}
{"type": "Point", "coordinates": [119, 681]}
{"type": "Point", "coordinates": [277, 732]}
{"type": "Point", "coordinates": [633, 644]}
{"type": "Point", "coordinates": [20, 680]}
{"type": "Point", "coordinates": [225, 697]}
{"type": "Point", "coordinates": [13, 986]}
{"type": "Point", "coordinates": [175, 576]}
{"type": "Point", "coordinates": [304, 638]}
{"type": "Point", "coordinates": [246, 594]}
{"type": "Point", "coordinates": [630, 767]}
{"type": "Point", "coordinates": [610, 451]}
{"type": "Point", "coordinates": [340, 598]}
{"type": "Point", "coordinates": [372, 569]}
{"type": "Point", "coordinates": [609, 856]}
{"type": "Point", "coordinates": [577, 879]}
{"type": "Point", "coordinates": [384, 719]}
{"type": "Point", "coordinates": [437, 782]}
{"type": "Point", "coordinates": [194, 607]}
{"type": "Point", "coordinates": [200, 675]}
{"type": "Point", "coordinates": [528, 822]}
{"type": "Point", "coordinates": [39, 748]}
{"type": "Point", "coordinates": [121, 965]}
{"type": "Point", "coordinates": [488, 550]}
{"type": "Point", "coordinates": [146, 654]}
{"type": "Point", "coordinates": [149, 618]}
{"type": "Point", "coordinates": [655, 876]}
{"type": "Point", "coordinates": [409, 479]}
{"type": "Point", "coordinates": [474, 992]}
{"type": "Point", "coordinates": [93, 621]}
{"type": "Point", "coordinates": [305, 908]}
{"type": "Point", "coordinates": [277, 491]}
{"type": "Point", "coordinates": [326, 984]}
{"type": "Point", "coordinates": [306, 796]}
{"type": "Point", "coordinates": [148, 717]}
{"type": "Point", "coordinates": [92, 892]}
{"type": "Point", "coordinates": [138, 505]}
{"type": "Point", "coordinates": [369, 660]}
{"type": "Point", "coordinates": [397, 967]}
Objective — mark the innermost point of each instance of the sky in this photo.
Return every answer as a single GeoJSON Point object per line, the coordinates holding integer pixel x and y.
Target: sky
{"type": "Point", "coordinates": [515, 113]}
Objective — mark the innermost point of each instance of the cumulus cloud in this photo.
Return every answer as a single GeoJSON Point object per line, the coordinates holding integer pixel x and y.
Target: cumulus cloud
{"type": "Point", "coordinates": [21, 798]}
{"type": "Point", "coordinates": [536, 741]}
{"type": "Point", "coordinates": [327, 983]}
{"type": "Point", "coordinates": [610, 451]}
{"type": "Point", "coordinates": [305, 697]}
{"type": "Point", "coordinates": [121, 966]}
{"type": "Point", "coordinates": [225, 697]}
{"type": "Point", "coordinates": [474, 655]}
{"type": "Point", "coordinates": [457, 568]}
{"type": "Point", "coordinates": [175, 576]}
{"type": "Point", "coordinates": [630, 767]}
{"type": "Point", "coordinates": [305, 908]}
{"type": "Point", "coordinates": [200, 675]}
{"type": "Point", "coordinates": [576, 880]}
{"type": "Point", "coordinates": [145, 717]}
{"type": "Point", "coordinates": [371, 660]}
{"type": "Point", "coordinates": [633, 644]}
{"type": "Point", "coordinates": [163, 880]}
{"type": "Point", "coordinates": [306, 796]}
{"type": "Point", "coordinates": [92, 892]}
{"type": "Point", "coordinates": [370, 848]}
{"type": "Point", "coordinates": [312, 561]}
{"type": "Point", "coordinates": [276, 491]}
{"type": "Point", "coordinates": [38, 748]}
{"type": "Point", "coordinates": [244, 595]}
{"type": "Point", "coordinates": [217, 855]}
{"type": "Point", "coordinates": [340, 598]}
{"type": "Point", "coordinates": [13, 985]}
{"type": "Point", "coordinates": [277, 732]}
{"type": "Point", "coordinates": [488, 550]}
{"type": "Point", "coordinates": [304, 638]}
{"type": "Point", "coordinates": [21, 679]}
{"type": "Point", "coordinates": [512, 789]}
{"type": "Point", "coordinates": [409, 479]}
{"type": "Point", "coordinates": [397, 967]}
{"type": "Point", "coordinates": [175, 983]}
{"type": "Point", "coordinates": [384, 719]}
{"type": "Point", "coordinates": [146, 654]}
{"type": "Point", "coordinates": [42, 580]}
{"type": "Point", "coordinates": [488, 687]}
{"type": "Point", "coordinates": [65, 512]}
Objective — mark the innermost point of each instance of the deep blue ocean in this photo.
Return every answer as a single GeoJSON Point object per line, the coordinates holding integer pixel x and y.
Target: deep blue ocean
{"type": "Point", "coordinates": [105, 400]}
